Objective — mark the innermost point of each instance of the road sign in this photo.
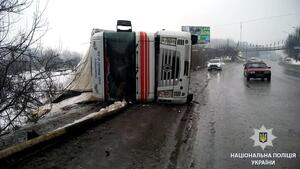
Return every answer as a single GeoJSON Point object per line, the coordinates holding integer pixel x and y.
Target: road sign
{"type": "Point", "coordinates": [203, 32]}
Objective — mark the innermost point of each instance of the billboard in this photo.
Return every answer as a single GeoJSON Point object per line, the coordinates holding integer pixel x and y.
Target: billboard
{"type": "Point", "coordinates": [203, 32]}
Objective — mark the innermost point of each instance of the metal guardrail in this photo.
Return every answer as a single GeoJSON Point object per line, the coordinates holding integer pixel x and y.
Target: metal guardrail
{"type": "Point", "coordinates": [262, 49]}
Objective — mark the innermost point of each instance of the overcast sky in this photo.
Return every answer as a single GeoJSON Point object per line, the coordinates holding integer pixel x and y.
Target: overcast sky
{"type": "Point", "coordinates": [71, 21]}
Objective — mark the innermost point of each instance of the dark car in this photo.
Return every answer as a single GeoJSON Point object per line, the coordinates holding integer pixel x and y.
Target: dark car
{"type": "Point", "coordinates": [257, 70]}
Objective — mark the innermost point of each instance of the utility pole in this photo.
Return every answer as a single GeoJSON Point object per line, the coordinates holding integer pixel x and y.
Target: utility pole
{"type": "Point", "coordinates": [246, 49]}
{"type": "Point", "coordinates": [227, 47]}
{"type": "Point", "coordinates": [241, 30]}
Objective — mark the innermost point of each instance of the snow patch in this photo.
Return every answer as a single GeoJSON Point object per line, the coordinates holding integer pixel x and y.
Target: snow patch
{"type": "Point", "coordinates": [55, 108]}
{"type": "Point", "coordinates": [115, 106]}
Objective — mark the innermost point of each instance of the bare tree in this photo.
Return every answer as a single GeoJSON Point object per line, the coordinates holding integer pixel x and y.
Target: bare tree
{"type": "Point", "coordinates": [70, 59]}
{"type": "Point", "coordinates": [21, 69]}
{"type": "Point", "coordinates": [292, 41]}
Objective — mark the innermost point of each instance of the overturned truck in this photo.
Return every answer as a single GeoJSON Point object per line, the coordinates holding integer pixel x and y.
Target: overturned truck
{"type": "Point", "coordinates": [141, 66]}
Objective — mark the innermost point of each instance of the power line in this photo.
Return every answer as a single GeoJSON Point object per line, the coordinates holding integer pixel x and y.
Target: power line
{"type": "Point", "coordinates": [270, 17]}
{"type": "Point", "coordinates": [257, 19]}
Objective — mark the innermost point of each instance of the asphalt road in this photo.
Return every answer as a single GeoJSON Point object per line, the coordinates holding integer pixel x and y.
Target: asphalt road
{"type": "Point", "coordinates": [221, 120]}
{"type": "Point", "coordinates": [230, 108]}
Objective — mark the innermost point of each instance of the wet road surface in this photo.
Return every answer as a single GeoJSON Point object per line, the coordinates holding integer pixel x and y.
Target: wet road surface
{"type": "Point", "coordinates": [230, 108]}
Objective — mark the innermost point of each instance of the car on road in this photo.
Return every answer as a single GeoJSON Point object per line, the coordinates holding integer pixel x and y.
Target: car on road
{"type": "Point", "coordinates": [257, 69]}
{"type": "Point", "coordinates": [253, 59]}
{"type": "Point", "coordinates": [214, 64]}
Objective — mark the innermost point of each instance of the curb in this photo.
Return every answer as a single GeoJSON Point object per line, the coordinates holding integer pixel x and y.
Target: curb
{"type": "Point", "coordinates": [69, 128]}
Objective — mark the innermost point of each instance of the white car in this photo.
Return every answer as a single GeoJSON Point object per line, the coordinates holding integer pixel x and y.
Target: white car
{"type": "Point", "coordinates": [254, 59]}
{"type": "Point", "coordinates": [215, 64]}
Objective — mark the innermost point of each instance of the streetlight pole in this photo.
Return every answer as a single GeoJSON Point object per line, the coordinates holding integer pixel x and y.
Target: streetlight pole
{"type": "Point", "coordinates": [241, 30]}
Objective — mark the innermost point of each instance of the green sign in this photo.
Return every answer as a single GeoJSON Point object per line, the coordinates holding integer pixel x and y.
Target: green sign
{"type": "Point", "coordinates": [203, 32]}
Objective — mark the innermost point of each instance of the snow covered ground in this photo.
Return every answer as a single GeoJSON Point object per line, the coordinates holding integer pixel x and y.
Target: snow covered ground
{"type": "Point", "coordinates": [58, 79]}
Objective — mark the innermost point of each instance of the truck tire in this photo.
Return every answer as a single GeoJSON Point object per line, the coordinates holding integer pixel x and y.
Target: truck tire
{"type": "Point", "coordinates": [269, 78]}
{"type": "Point", "coordinates": [189, 98]}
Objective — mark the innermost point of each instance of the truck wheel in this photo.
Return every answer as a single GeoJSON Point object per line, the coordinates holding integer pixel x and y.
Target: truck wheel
{"type": "Point", "coordinates": [248, 79]}
{"type": "Point", "coordinates": [189, 98]}
{"type": "Point", "coordinates": [269, 78]}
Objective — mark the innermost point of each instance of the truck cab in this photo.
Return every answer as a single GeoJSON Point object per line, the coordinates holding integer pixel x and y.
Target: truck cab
{"type": "Point", "coordinates": [173, 55]}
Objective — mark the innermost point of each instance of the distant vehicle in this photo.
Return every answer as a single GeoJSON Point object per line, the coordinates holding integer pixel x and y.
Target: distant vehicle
{"type": "Point", "coordinates": [253, 59]}
{"type": "Point", "coordinates": [214, 64]}
{"type": "Point", "coordinates": [287, 59]}
{"type": "Point", "coordinates": [257, 70]}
